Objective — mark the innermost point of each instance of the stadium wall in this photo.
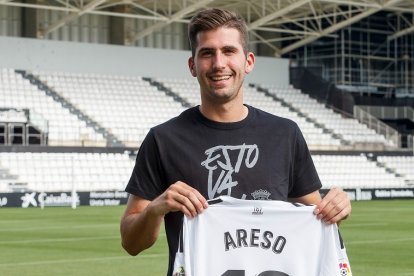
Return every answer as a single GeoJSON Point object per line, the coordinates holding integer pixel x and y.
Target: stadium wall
{"type": "Point", "coordinates": [45, 55]}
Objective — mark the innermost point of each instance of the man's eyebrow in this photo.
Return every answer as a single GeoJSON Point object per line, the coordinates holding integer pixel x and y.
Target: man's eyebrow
{"type": "Point", "coordinates": [226, 48]}
{"type": "Point", "coordinates": [206, 49]}
{"type": "Point", "coordinates": [230, 47]}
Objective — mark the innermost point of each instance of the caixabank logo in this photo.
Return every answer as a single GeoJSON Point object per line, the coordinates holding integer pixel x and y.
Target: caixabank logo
{"type": "Point", "coordinates": [28, 199]}
{"type": "Point", "coordinates": [47, 199]}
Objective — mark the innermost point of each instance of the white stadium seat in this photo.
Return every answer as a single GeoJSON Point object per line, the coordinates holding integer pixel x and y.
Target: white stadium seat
{"type": "Point", "coordinates": [127, 106]}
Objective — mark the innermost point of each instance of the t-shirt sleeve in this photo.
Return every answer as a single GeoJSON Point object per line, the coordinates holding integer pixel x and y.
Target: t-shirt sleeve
{"type": "Point", "coordinates": [147, 178]}
{"type": "Point", "coordinates": [305, 177]}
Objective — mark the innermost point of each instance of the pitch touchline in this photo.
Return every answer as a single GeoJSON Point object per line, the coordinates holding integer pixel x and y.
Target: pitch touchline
{"type": "Point", "coordinates": [81, 260]}
{"type": "Point", "coordinates": [365, 224]}
{"type": "Point", "coordinates": [57, 227]}
{"type": "Point", "coordinates": [60, 240]}
{"type": "Point", "coordinates": [380, 241]}
{"type": "Point", "coordinates": [66, 239]}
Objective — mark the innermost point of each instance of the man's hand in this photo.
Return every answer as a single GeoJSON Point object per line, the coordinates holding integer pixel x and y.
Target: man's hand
{"type": "Point", "coordinates": [140, 224]}
{"type": "Point", "coordinates": [334, 207]}
{"type": "Point", "coordinates": [179, 197]}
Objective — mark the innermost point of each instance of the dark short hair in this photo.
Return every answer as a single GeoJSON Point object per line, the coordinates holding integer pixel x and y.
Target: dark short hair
{"type": "Point", "coordinates": [212, 19]}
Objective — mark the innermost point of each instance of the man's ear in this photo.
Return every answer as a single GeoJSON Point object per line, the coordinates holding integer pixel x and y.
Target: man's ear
{"type": "Point", "coordinates": [191, 66]}
{"type": "Point", "coordinates": [250, 60]}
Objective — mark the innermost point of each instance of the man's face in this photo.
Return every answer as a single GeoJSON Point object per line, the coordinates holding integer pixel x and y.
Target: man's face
{"type": "Point", "coordinates": [220, 65]}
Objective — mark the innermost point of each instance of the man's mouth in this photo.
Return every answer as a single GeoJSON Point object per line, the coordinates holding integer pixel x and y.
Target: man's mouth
{"type": "Point", "coordinates": [220, 78]}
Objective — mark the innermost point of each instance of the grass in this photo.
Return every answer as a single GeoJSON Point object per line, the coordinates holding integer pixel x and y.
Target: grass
{"type": "Point", "coordinates": [379, 237]}
{"type": "Point", "coordinates": [63, 241]}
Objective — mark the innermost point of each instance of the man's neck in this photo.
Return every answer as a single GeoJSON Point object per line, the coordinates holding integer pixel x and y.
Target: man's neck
{"type": "Point", "coordinates": [226, 113]}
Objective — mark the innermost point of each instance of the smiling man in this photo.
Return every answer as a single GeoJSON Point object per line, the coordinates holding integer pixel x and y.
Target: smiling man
{"type": "Point", "coordinates": [222, 147]}
{"type": "Point", "coordinates": [220, 65]}
{"type": "Point", "coordinates": [220, 61]}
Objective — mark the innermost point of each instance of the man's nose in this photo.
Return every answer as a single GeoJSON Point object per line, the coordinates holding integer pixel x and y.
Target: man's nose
{"type": "Point", "coordinates": [219, 60]}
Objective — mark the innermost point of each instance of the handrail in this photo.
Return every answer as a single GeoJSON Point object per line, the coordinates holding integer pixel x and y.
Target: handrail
{"type": "Point", "coordinates": [390, 134]}
{"type": "Point", "coordinates": [390, 112]}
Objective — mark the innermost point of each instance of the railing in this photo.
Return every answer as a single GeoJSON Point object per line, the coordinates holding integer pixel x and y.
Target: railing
{"type": "Point", "coordinates": [390, 134]}
{"type": "Point", "coordinates": [390, 112]}
{"type": "Point", "coordinates": [22, 127]}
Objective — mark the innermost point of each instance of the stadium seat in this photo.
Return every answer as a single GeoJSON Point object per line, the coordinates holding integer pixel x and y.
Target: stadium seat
{"type": "Point", "coordinates": [58, 171]}
{"type": "Point", "coordinates": [355, 171]}
{"type": "Point", "coordinates": [349, 129]}
{"type": "Point", "coordinates": [125, 105]}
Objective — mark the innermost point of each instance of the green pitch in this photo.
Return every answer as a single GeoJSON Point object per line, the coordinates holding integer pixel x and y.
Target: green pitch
{"type": "Point", "coordinates": [379, 238]}
{"type": "Point", "coordinates": [60, 241]}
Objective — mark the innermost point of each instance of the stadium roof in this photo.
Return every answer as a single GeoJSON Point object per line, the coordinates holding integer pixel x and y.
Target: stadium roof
{"type": "Point", "coordinates": [282, 25]}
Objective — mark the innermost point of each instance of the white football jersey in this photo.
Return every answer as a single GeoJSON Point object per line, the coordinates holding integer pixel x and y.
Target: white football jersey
{"type": "Point", "coordinates": [235, 237]}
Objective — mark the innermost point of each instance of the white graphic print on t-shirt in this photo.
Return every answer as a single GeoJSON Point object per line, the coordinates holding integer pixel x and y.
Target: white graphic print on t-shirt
{"type": "Point", "coordinates": [224, 161]}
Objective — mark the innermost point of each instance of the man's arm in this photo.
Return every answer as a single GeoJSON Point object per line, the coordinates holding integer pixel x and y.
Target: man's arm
{"type": "Point", "coordinates": [333, 208]}
{"type": "Point", "coordinates": [139, 227]}
{"type": "Point", "coordinates": [141, 222]}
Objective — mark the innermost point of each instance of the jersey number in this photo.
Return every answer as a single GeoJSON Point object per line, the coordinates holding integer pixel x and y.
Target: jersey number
{"type": "Point", "coordinates": [242, 273]}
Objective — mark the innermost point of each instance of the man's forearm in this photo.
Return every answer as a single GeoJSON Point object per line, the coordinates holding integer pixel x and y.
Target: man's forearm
{"type": "Point", "coordinates": [139, 231]}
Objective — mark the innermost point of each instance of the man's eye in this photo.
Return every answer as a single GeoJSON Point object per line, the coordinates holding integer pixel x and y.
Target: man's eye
{"type": "Point", "coordinates": [206, 54]}
{"type": "Point", "coordinates": [228, 53]}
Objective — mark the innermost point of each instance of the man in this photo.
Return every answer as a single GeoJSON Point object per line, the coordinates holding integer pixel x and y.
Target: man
{"type": "Point", "coordinates": [221, 147]}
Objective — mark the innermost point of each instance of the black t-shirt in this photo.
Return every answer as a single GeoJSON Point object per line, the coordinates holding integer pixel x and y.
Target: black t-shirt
{"type": "Point", "coordinates": [261, 157]}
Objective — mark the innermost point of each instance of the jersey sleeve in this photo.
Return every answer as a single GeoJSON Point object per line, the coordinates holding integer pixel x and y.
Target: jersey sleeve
{"type": "Point", "coordinates": [334, 259]}
{"type": "Point", "coordinates": [305, 178]}
{"type": "Point", "coordinates": [179, 261]}
{"type": "Point", "coordinates": [147, 178]}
